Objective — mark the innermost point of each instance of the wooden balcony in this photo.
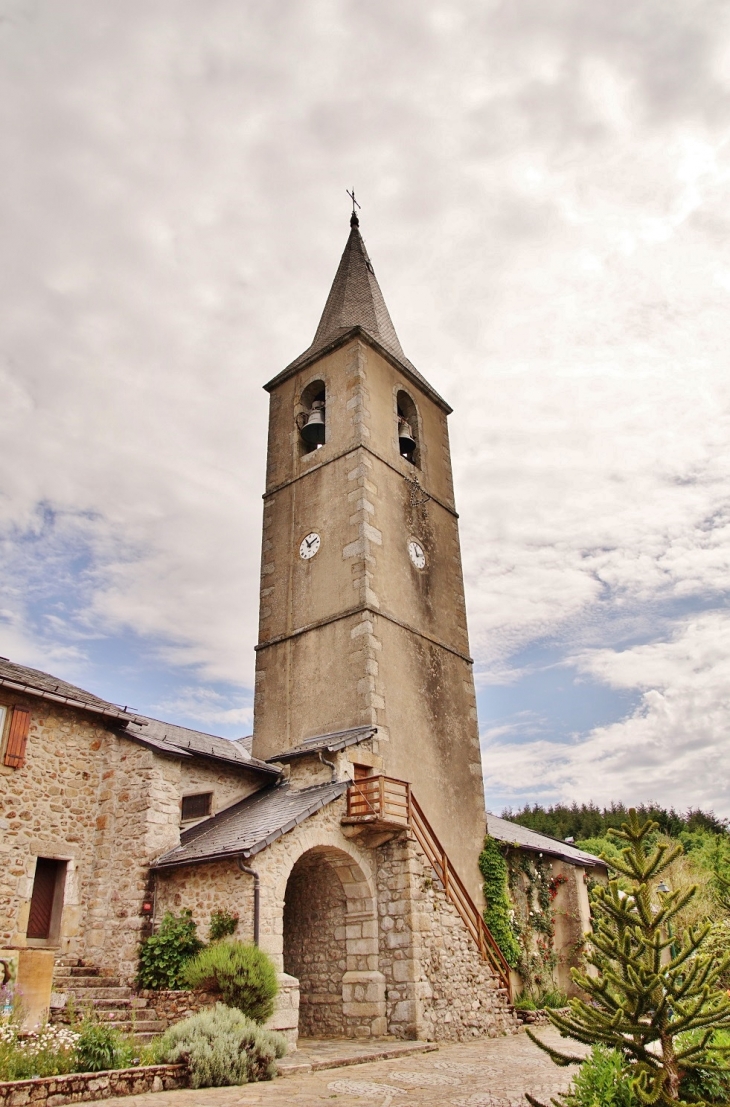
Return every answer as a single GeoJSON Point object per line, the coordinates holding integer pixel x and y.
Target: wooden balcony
{"type": "Point", "coordinates": [379, 801]}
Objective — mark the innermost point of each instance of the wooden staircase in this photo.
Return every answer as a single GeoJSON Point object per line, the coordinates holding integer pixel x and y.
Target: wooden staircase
{"type": "Point", "coordinates": [385, 803]}
{"type": "Point", "coordinates": [88, 991]}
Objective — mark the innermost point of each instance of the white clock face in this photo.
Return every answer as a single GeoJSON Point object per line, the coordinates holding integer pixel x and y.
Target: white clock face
{"type": "Point", "coordinates": [416, 554]}
{"type": "Point", "coordinates": [309, 546]}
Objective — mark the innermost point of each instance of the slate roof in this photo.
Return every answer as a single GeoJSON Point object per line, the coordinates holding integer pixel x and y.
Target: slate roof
{"type": "Point", "coordinates": [180, 741]}
{"type": "Point", "coordinates": [250, 825]}
{"type": "Point", "coordinates": [328, 743]}
{"type": "Point", "coordinates": [355, 304]}
{"type": "Point", "coordinates": [19, 678]}
{"type": "Point", "coordinates": [505, 831]}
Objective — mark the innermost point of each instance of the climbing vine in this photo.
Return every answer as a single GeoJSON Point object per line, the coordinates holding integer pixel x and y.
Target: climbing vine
{"type": "Point", "coordinates": [498, 912]}
{"type": "Point", "coordinates": [533, 889]}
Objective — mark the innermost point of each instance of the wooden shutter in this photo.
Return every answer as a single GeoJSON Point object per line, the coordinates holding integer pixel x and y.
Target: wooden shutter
{"type": "Point", "coordinates": [41, 903]}
{"type": "Point", "coordinates": [17, 737]}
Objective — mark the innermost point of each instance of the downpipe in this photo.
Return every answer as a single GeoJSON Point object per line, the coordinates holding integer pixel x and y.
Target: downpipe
{"type": "Point", "coordinates": [256, 897]}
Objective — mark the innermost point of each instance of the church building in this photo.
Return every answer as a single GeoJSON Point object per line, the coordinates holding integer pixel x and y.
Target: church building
{"type": "Point", "coordinates": [345, 834]}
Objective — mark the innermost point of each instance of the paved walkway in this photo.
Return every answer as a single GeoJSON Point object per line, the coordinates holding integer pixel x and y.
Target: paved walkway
{"type": "Point", "coordinates": [491, 1072]}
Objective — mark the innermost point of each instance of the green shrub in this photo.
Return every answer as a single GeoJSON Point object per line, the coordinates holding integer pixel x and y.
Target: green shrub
{"type": "Point", "coordinates": [163, 955]}
{"type": "Point", "coordinates": [221, 1046]}
{"type": "Point", "coordinates": [243, 974]}
{"type": "Point", "coordinates": [48, 1051]}
{"type": "Point", "coordinates": [554, 999]}
{"type": "Point", "coordinates": [222, 925]}
{"type": "Point", "coordinates": [602, 1082]}
{"type": "Point", "coordinates": [101, 1046]}
{"type": "Point", "coordinates": [493, 868]}
{"type": "Point", "coordinates": [709, 1084]}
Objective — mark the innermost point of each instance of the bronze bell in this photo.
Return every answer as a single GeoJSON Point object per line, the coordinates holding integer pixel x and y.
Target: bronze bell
{"type": "Point", "coordinates": [406, 441]}
{"type": "Point", "coordinates": [313, 429]}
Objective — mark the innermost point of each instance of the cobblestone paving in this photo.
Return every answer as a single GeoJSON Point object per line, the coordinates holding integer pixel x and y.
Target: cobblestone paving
{"type": "Point", "coordinates": [491, 1072]}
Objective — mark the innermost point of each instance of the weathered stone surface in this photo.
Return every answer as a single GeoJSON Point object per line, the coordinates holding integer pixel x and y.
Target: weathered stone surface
{"type": "Point", "coordinates": [53, 1091]}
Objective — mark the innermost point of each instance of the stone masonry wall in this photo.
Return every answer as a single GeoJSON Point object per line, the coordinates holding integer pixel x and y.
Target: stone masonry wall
{"type": "Point", "coordinates": [437, 985]}
{"type": "Point", "coordinates": [216, 886]}
{"type": "Point", "coordinates": [105, 804]}
{"type": "Point", "coordinates": [314, 944]}
{"type": "Point", "coordinates": [139, 818]}
{"type": "Point", "coordinates": [48, 808]}
{"type": "Point", "coordinates": [81, 1087]}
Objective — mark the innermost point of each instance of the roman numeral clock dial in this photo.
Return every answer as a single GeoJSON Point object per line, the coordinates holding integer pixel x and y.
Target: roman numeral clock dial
{"type": "Point", "coordinates": [309, 546]}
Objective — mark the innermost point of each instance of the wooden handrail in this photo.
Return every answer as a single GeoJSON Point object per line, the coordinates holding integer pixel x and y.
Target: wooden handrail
{"type": "Point", "coordinates": [386, 800]}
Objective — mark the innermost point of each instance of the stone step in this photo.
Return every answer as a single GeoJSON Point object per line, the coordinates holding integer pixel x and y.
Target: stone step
{"type": "Point", "coordinates": [145, 1039]}
{"type": "Point", "coordinates": [83, 997]}
{"type": "Point", "coordinates": [119, 1014]}
{"type": "Point", "coordinates": [141, 1027]}
{"type": "Point", "coordinates": [83, 970]}
{"type": "Point", "coordinates": [79, 980]}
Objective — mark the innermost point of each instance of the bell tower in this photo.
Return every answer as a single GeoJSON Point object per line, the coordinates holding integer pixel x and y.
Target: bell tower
{"type": "Point", "coordinates": [362, 614]}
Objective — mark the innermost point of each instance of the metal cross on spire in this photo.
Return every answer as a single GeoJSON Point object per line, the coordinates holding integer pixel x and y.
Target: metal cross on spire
{"type": "Point", "coordinates": [354, 221]}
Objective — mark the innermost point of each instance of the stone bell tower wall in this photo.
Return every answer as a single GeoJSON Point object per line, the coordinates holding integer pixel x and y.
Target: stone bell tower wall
{"type": "Point", "coordinates": [358, 634]}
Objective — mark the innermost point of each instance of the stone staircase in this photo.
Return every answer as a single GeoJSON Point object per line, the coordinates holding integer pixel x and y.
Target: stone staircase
{"type": "Point", "coordinates": [86, 990]}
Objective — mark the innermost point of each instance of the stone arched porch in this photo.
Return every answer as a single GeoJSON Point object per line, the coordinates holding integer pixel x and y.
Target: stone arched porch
{"type": "Point", "coordinates": [319, 922]}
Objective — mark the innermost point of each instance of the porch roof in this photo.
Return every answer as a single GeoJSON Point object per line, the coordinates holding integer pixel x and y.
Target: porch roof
{"type": "Point", "coordinates": [521, 836]}
{"type": "Point", "coordinates": [250, 825]}
{"type": "Point", "coordinates": [327, 743]}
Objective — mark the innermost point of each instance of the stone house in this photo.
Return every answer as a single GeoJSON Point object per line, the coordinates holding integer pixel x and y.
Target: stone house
{"type": "Point", "coordinates": [569, 872]}
{"type": "Point", "coordinates": [89, 793]}
{"type": "Point", "coordinates": [346, 833]}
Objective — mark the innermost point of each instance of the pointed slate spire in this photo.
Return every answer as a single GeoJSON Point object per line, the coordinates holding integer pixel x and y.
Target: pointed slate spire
{"type": "Point", "coordinates": [356, 302]}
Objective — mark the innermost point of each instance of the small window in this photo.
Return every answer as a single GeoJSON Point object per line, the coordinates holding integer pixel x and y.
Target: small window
{"type": "Point", "coordinates": [46, 904]}
{"type": "Point", "coordinates": [196, 807]}
{"type": "Point", "coordinates": [311, 418]}
{"type": "Point", "coordinates": [407, 428]}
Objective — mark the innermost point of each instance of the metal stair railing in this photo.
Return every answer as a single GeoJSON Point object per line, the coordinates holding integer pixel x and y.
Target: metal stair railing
{"type": "Point", "coordinates": [388, 802]}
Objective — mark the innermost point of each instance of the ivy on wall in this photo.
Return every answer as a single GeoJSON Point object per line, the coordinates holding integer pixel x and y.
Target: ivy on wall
{"type": "Point", "coordinates": [498, 912]}
{"type": "Point", "coordinates": [520, 889]}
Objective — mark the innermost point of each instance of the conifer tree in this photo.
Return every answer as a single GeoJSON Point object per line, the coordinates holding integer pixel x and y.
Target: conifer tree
{"type": "Point", "coordinates": [642, 998]}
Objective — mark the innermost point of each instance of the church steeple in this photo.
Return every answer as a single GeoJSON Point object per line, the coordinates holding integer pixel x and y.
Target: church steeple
{"type": "Point", "coordinates": [362, 617]}
{"type": "Point", "coordinates": [356, 305]}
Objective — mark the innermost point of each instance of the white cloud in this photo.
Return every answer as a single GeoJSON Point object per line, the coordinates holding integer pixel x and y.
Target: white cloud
{"type": "Point", "coordinates": [544, 196]}
{"type": "Point", "coordinates": [672, 748]}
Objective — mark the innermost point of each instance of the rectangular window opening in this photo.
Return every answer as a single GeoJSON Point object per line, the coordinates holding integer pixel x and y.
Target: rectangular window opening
{"type": "Point", "coordinates": [197, 806]}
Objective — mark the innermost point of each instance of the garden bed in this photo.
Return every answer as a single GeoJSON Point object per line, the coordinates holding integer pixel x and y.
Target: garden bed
{"type": "Point", "coordinates": [80, 1087]}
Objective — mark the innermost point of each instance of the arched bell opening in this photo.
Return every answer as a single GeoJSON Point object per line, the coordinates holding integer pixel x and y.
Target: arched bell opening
{"type": "Point", "coordinates": [407, 417]}
{"type": "Point", "coordinates": [311, 417]}
{"type": "Point", "coordinates": [330, 945]}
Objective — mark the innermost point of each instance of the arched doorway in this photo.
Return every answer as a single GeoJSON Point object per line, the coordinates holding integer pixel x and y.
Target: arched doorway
{"type": "Point", "coordinates": [330, 945]}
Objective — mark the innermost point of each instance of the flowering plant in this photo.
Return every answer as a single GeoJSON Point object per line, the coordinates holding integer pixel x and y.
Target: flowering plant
{"type": "Point", "coordinates": [48, 1051]}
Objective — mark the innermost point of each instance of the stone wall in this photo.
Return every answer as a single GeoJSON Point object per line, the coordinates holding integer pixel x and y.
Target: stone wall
{"type": "Point", "coordinates": [174, 1005]}
{"type": "Point", "coordinates": [107, 805]}
{"type": "Point", "coordinates": [49, 808]}
{"type": "Point", "coordinates": [88, 1086]}
{"type": "Point", "coordinates": [437, 985]}
{"type": "Point", "coordinates": [315, 944]}
{"type": "Point", "coordinates": [216, 886]}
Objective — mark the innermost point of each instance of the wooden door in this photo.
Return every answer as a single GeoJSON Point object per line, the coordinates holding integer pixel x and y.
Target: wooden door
{"type": "Point", "coordinates": [48, 873]}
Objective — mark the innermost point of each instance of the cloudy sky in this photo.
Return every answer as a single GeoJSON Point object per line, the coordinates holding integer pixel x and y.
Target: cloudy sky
{"type": "Point", "coordinates": [545, 199]}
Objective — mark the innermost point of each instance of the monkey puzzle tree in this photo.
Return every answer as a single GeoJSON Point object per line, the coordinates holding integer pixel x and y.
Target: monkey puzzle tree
{"type": "Point", "coordinates": [644, 998]}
